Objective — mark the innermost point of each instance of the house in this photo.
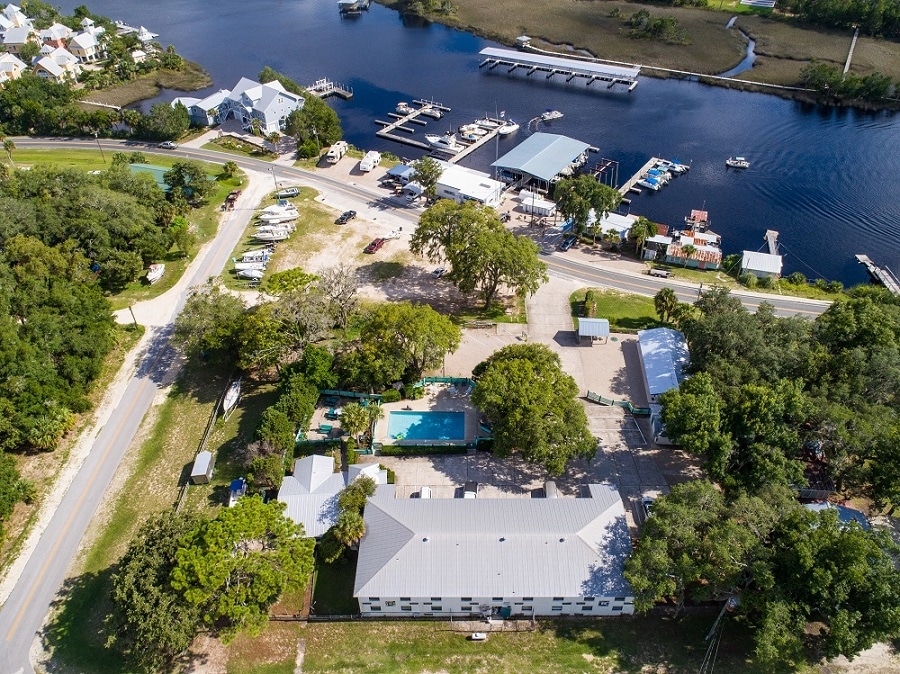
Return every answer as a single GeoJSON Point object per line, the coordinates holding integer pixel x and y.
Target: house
{"type": "Point", "coordinates": [463, 184]}
{"type": "Point", "coordinates": [706, 253]}
{"type": "Point", "coordinates": [86, 47]}
{"type": "Point", "coordinates": [203, 111]}
{"type": "Point", "coordinates": [265, 106]}
{"type": "Point", "coordinates": [17, 37]}
{"type": "Point", "coordinates": [761, 265]}
{"type": "Point", "coordinates": [13, 17]}
{"type": "Point", "coordinates": [56, 35]}
{"type": "Point", "coordinates": [10, 68]}
{"type": "Point", "coordinates": [617, 222]}
{"type": "Point", "coordinates": [664, 358]}
{"type": "Point", "coordinates": [495, 557]}
{"type": "Point", "coordinates": [59, 65]}
{"type": "Point", "coordinates": [310, 493]}
{"type": "Point", "coordinates": [846, 516]}
{"type": "Point", "coordinates": [138, 56]}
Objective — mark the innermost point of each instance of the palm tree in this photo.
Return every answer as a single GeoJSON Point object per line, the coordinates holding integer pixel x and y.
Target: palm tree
{"type": "Point", "coordinates": [350, 527]}
{"type": "Point", "coordinates": [9, 146]}
{"type": "Point", "coordinates": [665, 302]}
{"type": "Point", "coordinates": [640, 231]}
{"type": "Point", "coordinates": [688, 252]}
{"type": "Point", "coordinates": [274, 138]}
{"type": "Point", "coordinates": [354, 419]}
{"type": "Point", "coordinates": [376, 414]}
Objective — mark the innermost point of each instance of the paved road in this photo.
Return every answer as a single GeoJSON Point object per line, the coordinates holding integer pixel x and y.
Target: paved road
{"type": "Point", "coordinates": [23, 613]}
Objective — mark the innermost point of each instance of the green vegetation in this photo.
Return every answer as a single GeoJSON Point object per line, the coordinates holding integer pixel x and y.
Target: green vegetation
{"type": "Point", "coordinates": [483, 255]}
{"type": "Point", "coordinates": [533, 407]}
{"type": "Point", "coordinates": [239, 147]}
{"type": "Point", "coordinates": [577, 197]}
{"type": "Point", "coordinates": [626, 313]}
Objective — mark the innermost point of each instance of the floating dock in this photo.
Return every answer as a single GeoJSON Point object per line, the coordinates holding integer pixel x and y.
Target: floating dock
{"type": "Point", "coordinates": [881, 274]}
{"type": "Point", "coordinates": [481, 141]}
{"type": "Point", "coordinates": [629, 185]}
{"type": "Point", "coordinates": [570, 69]}
{"type": "Point", "coordinates": [399, 123]}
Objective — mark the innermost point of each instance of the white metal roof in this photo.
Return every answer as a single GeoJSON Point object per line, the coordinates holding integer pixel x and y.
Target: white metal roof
{"type": "Point", "coordinates": [543, 155]}
{"type": "Point", "coordinates": [593, 327]}
{"type": "Point", "coordinates": [761, 262]}
{"type": "Point", "coordinates": [201, 463]}
{"type": "Point", "coordinates": [494, 547]}
{"type": "Point", "coordinates": [582, 67]}
{"type": "Point", "coordinates": [664, 353]}
{"type": "Point", "coordinates": [473, 184]}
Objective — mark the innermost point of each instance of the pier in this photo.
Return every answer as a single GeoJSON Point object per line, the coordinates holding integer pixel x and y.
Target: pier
{"type": "Point", "coordinates": [475, 144]}
{"type": "Point", "coordinates": [570, 69]}
{"type": "Point", "coordinates": [881, 274]}
{"type": "Point", "coordinates": [771, 238]}
{"type": "Point", "coordinates": [325, 88]}
{"type": "Point", "coordinates": [399, 123]}
{"type": "Point", "coordinates": [629, 185]}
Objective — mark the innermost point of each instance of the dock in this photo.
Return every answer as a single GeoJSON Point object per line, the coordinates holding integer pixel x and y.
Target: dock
{"type": "Point", "coordinates": [400, 122]}
{"type": "Point", "coordinates": [629, 185]}
{"type": "Point", "coordinates": [570, 69]}
{"type": "Point", "coordinates": [324, 88]}
{"type": "Point", "coordinates": [881, 274]}
{"type": "Point", "coordinates": [771, 238]}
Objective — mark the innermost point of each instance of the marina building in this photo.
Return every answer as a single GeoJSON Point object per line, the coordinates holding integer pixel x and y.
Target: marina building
{"type": "Point", "coordinates": [541, 159]}
{"type": "Point", "coordinates": [463, 184]}
{"type": "Point", "coordinates": [495, 557]}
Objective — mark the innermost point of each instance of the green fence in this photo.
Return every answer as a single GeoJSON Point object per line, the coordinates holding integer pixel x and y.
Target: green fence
{"type": "Point", "coordinates": [609, 402]}
{"type": "Point", "coordinates": [453, 381]}
{"type": "Point", "coordinates": [350, 394]}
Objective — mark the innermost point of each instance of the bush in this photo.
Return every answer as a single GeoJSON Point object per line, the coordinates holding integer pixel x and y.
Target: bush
{"type": "Point", "coordinates": [422, 450]}
{"type": "Point", "coordinates": [411, 392]}
{"type": "Point", "coordinates": [748, 280]}
{"type": "Point", "coordinates": [590, 304]}
{"type": "Point", "coordinates": [391, 475]}
{"type": "Point", "coordinates": [796, 279]}
{"type": "Point", "coordinates": [835, 287]}
{"type": "Point", "coordinates": [309, 149]}
{"type": "Point", "coordinates": [275, 427]}
{"type": "Point", "coordinates": [769, 282]}
{"type": "Point", "coordinates": [391, 395]}
{"type": "Point", "coordinates": [329, 548]}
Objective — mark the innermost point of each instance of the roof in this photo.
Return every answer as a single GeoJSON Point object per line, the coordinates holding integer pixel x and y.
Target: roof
{"type": "Point", "coordinates": [83, 40]}
{"type": "Point", "coordinates": [310, 493]}
{"type": "Point", "coordinates": [593, 327]}
{"type": "Point", "coordinates": [494, 547]}
{"type": "Point", "coordinates": [543, 155]}
{"type": "Point", "coordinates": [260, 96]}
{"type": "Point", "coordinates": [761, 262]}
{"type": "Point", "coordinates": [17, 35]}
{"type": "Point", "coordinates": [50, 66]}
{"type": "Point", "coordinates": [202, 463]}
{"type": "Point", "coordinates": [621, 223]}
{"type": "Point", "coordinates": [845, 515]}
{"type": "Point", "coordinates": [532, 200]}
{"type": "Point", "coordinates": [401, 171]}
{"type": "Point", "coordinates": [664, 353]}
{"type": "Point", "coordinates": [471, 183]}
{"type": "Point", "coordinates": [579, 66]}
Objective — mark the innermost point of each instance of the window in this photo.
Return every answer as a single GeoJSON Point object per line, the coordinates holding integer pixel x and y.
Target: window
{"type": "Point", "coordinates": [438, 599]}
{"type": "Point", "coordinates": [406, 608]}
{"type": "Point", "coordinates": [374, 599]}
{"type": "Point", "coordinates": [555, 608]}
{"type": "Point", "coordinates": [620, 598]}
{"type": "Point", "coordinates": [589, 598]}
{"type": "Point", "coordinates": [436, 608]}
{"type": "Point", "coordinates": [527, 608]}
{"type": "Point", "coordinates": [375, 608]}
{"type": "Point", "coordinates": [496, 598]}
{"type": "Point", "coordinates": [466, 599]}
{"type": "Point", "coordinates": [390, 602]}
{"type": "Point", "coordinates": [587, 608]}
{"type": "Point", "coordinates": [527, 598]}
{"type": "Point", "coordinates": [404, 598]}
{"type": "Point", "coordinates": [604, 603]}
{"type": "Point", "coordinates": [567, 603]}
{"type": "Point", "coordinates": [617, 608]}
{"type": "Point", "coordinates": [558, 598]}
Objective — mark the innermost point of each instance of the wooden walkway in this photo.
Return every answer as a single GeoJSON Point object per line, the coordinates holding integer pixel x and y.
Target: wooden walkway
{"type": "Point", "coordinates": [632, 181]}
{"type": "Point", "coordinates": [883, 275]}
{"type": "Point", "coordinates": [475, 144]}
{"type": "Point", "coordinates": [400, 124]}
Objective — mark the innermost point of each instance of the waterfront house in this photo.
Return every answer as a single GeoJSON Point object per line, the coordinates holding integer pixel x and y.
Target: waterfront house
{"type": "Point", "coordinates": [761, 265]}
{"type": "Point", "coordinates": [58, 65]}
{"type": "Point", "coordinates": [263, 106]}
{"type": "Point", "coordinates": [86, 47]}
{"type": "Point", "coordinates": [204, 111]}
{"type": "Point", "coordinates": [138, 56]}
{"type": "Point", "coordinates": [310, 493]}
{"type": "Point", "coordinates": [11, 68]}
{"type": "Point", "coordinates": [495, 557]}
{"type": "Point", "coordinates": [13, 17]}
{"type": "Point", "coordinates": [706, 253]}
{"type": "Point", "coordinates": [17, 37]}
{"type": "Point", "coordinates": [56, 35]}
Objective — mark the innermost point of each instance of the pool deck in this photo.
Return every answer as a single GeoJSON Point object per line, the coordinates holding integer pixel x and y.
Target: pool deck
{"type": "Point", "coordinates": [437, 398]}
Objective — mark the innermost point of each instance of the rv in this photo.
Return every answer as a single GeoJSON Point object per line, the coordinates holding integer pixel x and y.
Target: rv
{"type": "Point", "coordinates": [337, 151]}
{"type": "Point", "coordinates": [370, 161]}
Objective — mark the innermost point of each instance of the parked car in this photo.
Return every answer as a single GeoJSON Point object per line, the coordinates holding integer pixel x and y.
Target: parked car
{"type": "Point", "coordinates": [167, 145]}
{"type": "Point", "coordinates": [661, 273]}
{"type": "Point", "coordinates": [647, 505]}
{"type": "Point", "coordinates": [345, 217]}
{"type": "Point", "coordinates": [568, 242]}
{"type": "Point", "coordinates": [374, 246]}
{"type": "Point", "coordinates": [437, 273]}
{"type": "Point", "coordinates": [287, 193]}
{"type": "Point", "coordinates": [470, 489]}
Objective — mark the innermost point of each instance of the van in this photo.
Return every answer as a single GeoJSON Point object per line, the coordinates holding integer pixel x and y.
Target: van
{"type": "Point", "coordinates": [661, 273]}
{"type": "Point", "coordinates": [425, 492]}
{"type": "Point", "coordinates": [337, 151]}
{"type": "Point", "coordinates": [470, 489]}
{"type": "Point", "coordinates": [370, 161]}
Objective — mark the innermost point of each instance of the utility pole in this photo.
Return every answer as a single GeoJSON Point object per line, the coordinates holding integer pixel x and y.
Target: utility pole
{"type": "Point", "coordinates": [97, 138]}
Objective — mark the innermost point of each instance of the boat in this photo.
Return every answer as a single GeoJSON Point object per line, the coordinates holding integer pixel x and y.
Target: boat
{"type": "Point", "coordinates": [155, 272]}
{"type": "Point", "coordinates": [405, 108]}
{"type": "Point", "coordinates": [472, 129]}
{"type": "Point", "coordinates": [445, 143]}
{"type": "Point", "coordinates": [469, 136]}
{"type": "Point", "coordinates": [280, 206]}
{"type": "Point", "coordinates": [661, 176]}
{"type": "Point", "coordinates": [434, 113]}
{"type": "Point", "coordinates": [273, 235]}
{"type": "Point", "coordinates": [507, 128]}
{"type": "Point", "coordinates": [549, 115]}
{"type": "Point", "coordinates": [650, 183]}
{"type": "Point", "coordinates": [252, 274]}
{"type": "Point", "coordinates": [244, 266]}
{"type": "Point", "coordinates": [279, 217]}
{"type": "Point", "coordinates": [737, 162]}
{"type": "Point", "coordinates": [672, 166]}
{"type": "Point", "coordinates": [259, 255]}
{"type": "Point", "coordinates": [232, 395]}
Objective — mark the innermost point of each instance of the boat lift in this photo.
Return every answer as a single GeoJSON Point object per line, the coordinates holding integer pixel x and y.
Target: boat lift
{"type": "Point", "coordinates": [591, 71]}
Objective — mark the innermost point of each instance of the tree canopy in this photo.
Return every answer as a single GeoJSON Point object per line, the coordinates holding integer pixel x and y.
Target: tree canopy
{"type": "Point", "coordinates": [209, 323]}
{"type": "Point", "coordinates": [427, 171]}
{"type": "Point", "coordinates": [577, 197]}
{"type": "Point", "coordinates": [483, 255]}
{"type": "Point", "coordinates": [533, 407]}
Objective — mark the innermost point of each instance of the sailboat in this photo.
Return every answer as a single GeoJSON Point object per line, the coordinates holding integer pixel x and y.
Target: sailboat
{"type": "Point", "coordinates": [232, 395]}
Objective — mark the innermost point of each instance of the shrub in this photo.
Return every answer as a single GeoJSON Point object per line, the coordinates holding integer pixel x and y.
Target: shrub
{"type": "Point", "coordinates": [835, 287]}
{"type": "Point", "coordinates": [748, 280]}
{"type": "Point", "coordinates": [391, 395]}
{"type": "Point", "coordinates": [821, 283]}
{"type": "Point", "coordinates": [797, 279]}
{"type": "Point", "coordinates": [411, 392]}
{"type": "Point", "coordinates": [391, 475]}
{"type": "Point", "coordinates": [329, 548]}
{"type": "Point", "coordinates": [275, 427]}
{"type": "Point", "coordinates": [422, 450]}
{"type": "Point", "coordinates": [769, 282]}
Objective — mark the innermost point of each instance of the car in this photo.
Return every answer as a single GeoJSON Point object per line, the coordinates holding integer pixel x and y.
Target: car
{"type": "Point", "coordinates": [505, 216]}
{"type": "Point", "coordinates": [167, 145]}
{"type": "Point", "coordinates": [287, 193]}
{"type": "Point", "coordinates": [470, 489]}
{"type": "Point", "coordinates": [374, 246]}
{"type": "Point", "coordinates": [345, 217]}
{"type": "Point", "coordinates": [647, 505]}
{"type": "Point", "coordinates": [437, 273]}
{"type": "Point", "coordinates": [660, 273]}
{"type": "Point", "coordinates": [567, 242]}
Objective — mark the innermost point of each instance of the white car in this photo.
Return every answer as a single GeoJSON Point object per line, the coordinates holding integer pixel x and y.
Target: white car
{"type": "Point", "coordinates": [647, 505]}
{"type": "Point", "coordinates": [167, 145]}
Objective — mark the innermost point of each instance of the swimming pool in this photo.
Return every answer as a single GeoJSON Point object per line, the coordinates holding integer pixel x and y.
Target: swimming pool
{"type": "Point", "coordinates": [427, 426]}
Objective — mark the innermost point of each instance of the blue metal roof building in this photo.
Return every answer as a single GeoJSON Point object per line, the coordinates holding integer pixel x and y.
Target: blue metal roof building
{"type": "Point", "coordinates": [542, 156]}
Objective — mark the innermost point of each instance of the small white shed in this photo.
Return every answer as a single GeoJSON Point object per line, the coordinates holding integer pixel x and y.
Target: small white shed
{"type": "Point", "coordinates": [202, 471]}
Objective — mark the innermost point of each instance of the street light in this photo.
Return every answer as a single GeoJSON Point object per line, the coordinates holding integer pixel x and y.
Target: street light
{"type": "Point", "coordinates": [97, 138]}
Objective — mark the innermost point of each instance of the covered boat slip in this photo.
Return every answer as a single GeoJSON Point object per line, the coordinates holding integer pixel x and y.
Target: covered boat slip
{"type": "Point", "coordinates": [555, 65]}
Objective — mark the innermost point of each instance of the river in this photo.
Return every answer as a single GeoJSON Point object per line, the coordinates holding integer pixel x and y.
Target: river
{"type": "Point", "coordinates": [823, 177]}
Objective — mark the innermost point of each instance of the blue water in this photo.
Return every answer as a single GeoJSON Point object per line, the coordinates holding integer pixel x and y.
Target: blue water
{"type": "Point", "coordinates": [825, 178]}
{"type": "Point", "coordinates": [427, 425]}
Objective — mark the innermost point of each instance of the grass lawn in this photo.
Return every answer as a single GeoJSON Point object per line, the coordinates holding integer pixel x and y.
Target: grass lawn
{"type": "Point", "coordinates": [231, 145]}
{"type": "Point", "coordinates": [333, 591]}
{"type": "Point", "coordinates": [633, 645]}
{"type": "Point", "coordinates": [626, 313]}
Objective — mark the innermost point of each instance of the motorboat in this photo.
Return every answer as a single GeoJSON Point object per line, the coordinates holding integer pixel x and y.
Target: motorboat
{"type": "Point", "coordinates": [252, 274]}
{"type": "Point", "coordinates": [155, 272]}
{"type": "Point", "coordinates": [258, 255]}
{"type": "Point", "coordinates": [405, 108]}
{"type": "Point", "coordinates": [737, 162]}
{"type": "Point", "coordinates": [672, 166]}
{"type": "Point", "coordinates": [488, 123]}
{"type": "Point", "coordinates": [232, 395]}
{"type": "Point", "coordinates": [273, 235]}
{"type": "Point", "coordinates": [471, 129]}
{"type": "Point", "coordinates": [508, 128]}
{"type": "Point", "coordinates": [242, 266]}
{"type": "Point", "coordinates": [445, 143]}
{"type": "Point", "coordinates": [549, 115]}
{"type": "Point", "coordinates": [279, 217]}
{"type": "Point", "coordinates": [280, 206]}
{"type": "Point", "coordinates": [432, 112]}
{"type": "Point", "coordinates": [650, 183]}
{"type": "Point", "coordinates": [661, 176]}
{"type": "Point", "coordinates": [468, 136]}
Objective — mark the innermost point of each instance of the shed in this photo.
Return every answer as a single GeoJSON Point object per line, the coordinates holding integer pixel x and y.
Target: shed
{"type": "Point", "coordinates": [402, 172]}
{"type": "Point", "coordinates": [533, 203]}
{"type": "Point", "coordinates": [761, 264]}
{"type": "Point", "coordinates": [201, 472]}
{"type": "Point", "coordinates": [593, 328]}
{"type": "Point", "coordinates": [664, 356]}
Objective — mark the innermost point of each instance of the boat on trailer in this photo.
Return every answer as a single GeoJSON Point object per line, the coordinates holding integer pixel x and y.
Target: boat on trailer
{"type": "Point", "coordinates": [232, 395]}
{"type": "Point", "coordinates": [155, 272]}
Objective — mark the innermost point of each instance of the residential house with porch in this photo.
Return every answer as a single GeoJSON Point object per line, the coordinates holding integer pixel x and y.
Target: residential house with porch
{"type": "Point", "coordinates": [58, 65]}
{"type": "Point", "coordinates": [11, 67]}
{"type": "Point", "coordinates": [15, 38]}
{"type": "Point", "coordinates": [263, 106]}
{"type": "Point", "coordinates": [56, 35]}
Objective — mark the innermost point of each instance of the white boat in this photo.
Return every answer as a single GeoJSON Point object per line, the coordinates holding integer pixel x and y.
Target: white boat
{"type": "Point", "coordinates": [261, 255]}
{"type": "Point", "coordinates": [473, 129]}
{"type": "Point", "coordinates": [445, 143]}
{"type": "Point", "coordinates": [737, 162]}
{"type": "Point", "coordinates": [244, 266]}
{"type": "Point", "coordinates": [280, 206]}
{"type": "Point", "coordinates": [232, 395]}
{"type": "Point", "coordinates": [549, 115]}
{"type": "Point", "coordinates": [405, 108]}
{"type": "Point", "coordinates": [508, 128]}
{"type": "Point", "coordinates": [252, 274]}
{"type": "Point", "coordinates": [273, 235]}
{"type": "Point", "coordinates": [672, 166]}
{"type": "Point", "coordinates": [279, 217]}
{"type": "Point", "coordinates": [650, 183]}
{"type": "Point", "coordinates": [155, 272]}
{"type": "Point", "coordinates": [488, 123]}
{"type": "Point", "coordinates": [434, 113]}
